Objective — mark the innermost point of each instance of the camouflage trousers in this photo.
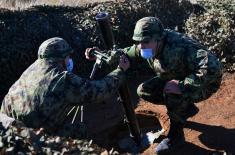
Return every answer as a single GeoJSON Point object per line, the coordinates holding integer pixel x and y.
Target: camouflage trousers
{"type": "Point", "coordinates": [177, 105]}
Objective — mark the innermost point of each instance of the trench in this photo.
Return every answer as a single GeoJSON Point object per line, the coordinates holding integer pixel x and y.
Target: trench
{"type": "Point", "coordinates": [110, 132]}
{"type": "Point", "coordinates": [111, 138]}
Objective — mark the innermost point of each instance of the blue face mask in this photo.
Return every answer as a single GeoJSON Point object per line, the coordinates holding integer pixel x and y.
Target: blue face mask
{"type": "Point", "coordinates": [146, 53]}
{"type": "Point", "coordinates": [69, 65]}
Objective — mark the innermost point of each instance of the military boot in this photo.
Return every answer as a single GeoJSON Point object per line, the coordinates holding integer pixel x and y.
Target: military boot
{"type": "Point", "coordinates": [174, 139]}
{"type": "Point", "coordinates": [190, 111]}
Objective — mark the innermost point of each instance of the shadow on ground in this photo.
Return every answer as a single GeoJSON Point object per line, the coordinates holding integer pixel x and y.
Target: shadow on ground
{"type": "Point", "coordinates": [215, 137]}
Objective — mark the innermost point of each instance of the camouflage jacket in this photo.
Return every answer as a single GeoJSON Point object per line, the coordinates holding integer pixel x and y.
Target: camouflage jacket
{"type": "Point", "coordinates": [183, 59]}
{"type": "Point", "coordinates": [45, 93]}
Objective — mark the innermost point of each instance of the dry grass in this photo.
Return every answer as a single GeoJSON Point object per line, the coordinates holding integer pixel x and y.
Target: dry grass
{"type": "Point", "coordinates": [23, 4]}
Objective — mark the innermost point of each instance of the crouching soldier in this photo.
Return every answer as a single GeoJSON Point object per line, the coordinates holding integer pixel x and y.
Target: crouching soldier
{"type": "Point", "coordinates": [47, 90]}
{"type": "Point", "coordinates": [186, 72]}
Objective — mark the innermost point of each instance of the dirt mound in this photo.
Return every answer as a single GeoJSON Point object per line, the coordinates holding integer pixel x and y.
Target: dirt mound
{"type": "Point", "coordinates": [22, 140]}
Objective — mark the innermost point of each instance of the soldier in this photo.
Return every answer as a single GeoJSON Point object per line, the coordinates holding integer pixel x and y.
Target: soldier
{"type": "Point", "coordinates": [186, 72]}
{"type": "Point", "coordinates": [47, 90]}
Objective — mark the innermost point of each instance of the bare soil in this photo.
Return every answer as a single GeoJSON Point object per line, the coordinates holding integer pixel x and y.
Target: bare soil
{"type": "Point", "coordinates": [211, 131]}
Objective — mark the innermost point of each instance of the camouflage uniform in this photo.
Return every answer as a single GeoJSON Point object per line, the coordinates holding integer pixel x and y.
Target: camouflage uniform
{"type": "Point", "coordinates": [180, 58]}
{"type": "Point", "coordinates": [46, 92]}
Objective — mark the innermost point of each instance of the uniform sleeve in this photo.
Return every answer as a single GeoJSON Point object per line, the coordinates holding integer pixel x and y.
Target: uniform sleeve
{"type": "Point", "coordinates": [133, 55]}
{"type": "Point", "coordinates": [84, 91]}
{"type": "Point", "coordinates": [136, 60]}
{"type": "Point", "coordinates": [197, 61]}
{"type": "Point", "coordinates": [133, 52]}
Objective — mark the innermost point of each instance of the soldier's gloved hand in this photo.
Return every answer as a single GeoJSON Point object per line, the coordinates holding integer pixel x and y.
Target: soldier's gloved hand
{"type": "Point", "coordinates": [148, 139]}
{"type": "Point", "coordinates": [124, 63]}
{"type": "Point", "coordinates": [88, 53]}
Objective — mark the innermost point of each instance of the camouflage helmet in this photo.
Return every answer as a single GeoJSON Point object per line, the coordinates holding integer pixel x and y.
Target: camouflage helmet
{"type": "Point", "coordinates": [148, 28]}
{"type": "Point", "coordinates": [54, 48]}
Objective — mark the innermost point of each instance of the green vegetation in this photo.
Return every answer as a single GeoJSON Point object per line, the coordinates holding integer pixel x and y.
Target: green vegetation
{"type": "Point", "coordinates": [215, 28]}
